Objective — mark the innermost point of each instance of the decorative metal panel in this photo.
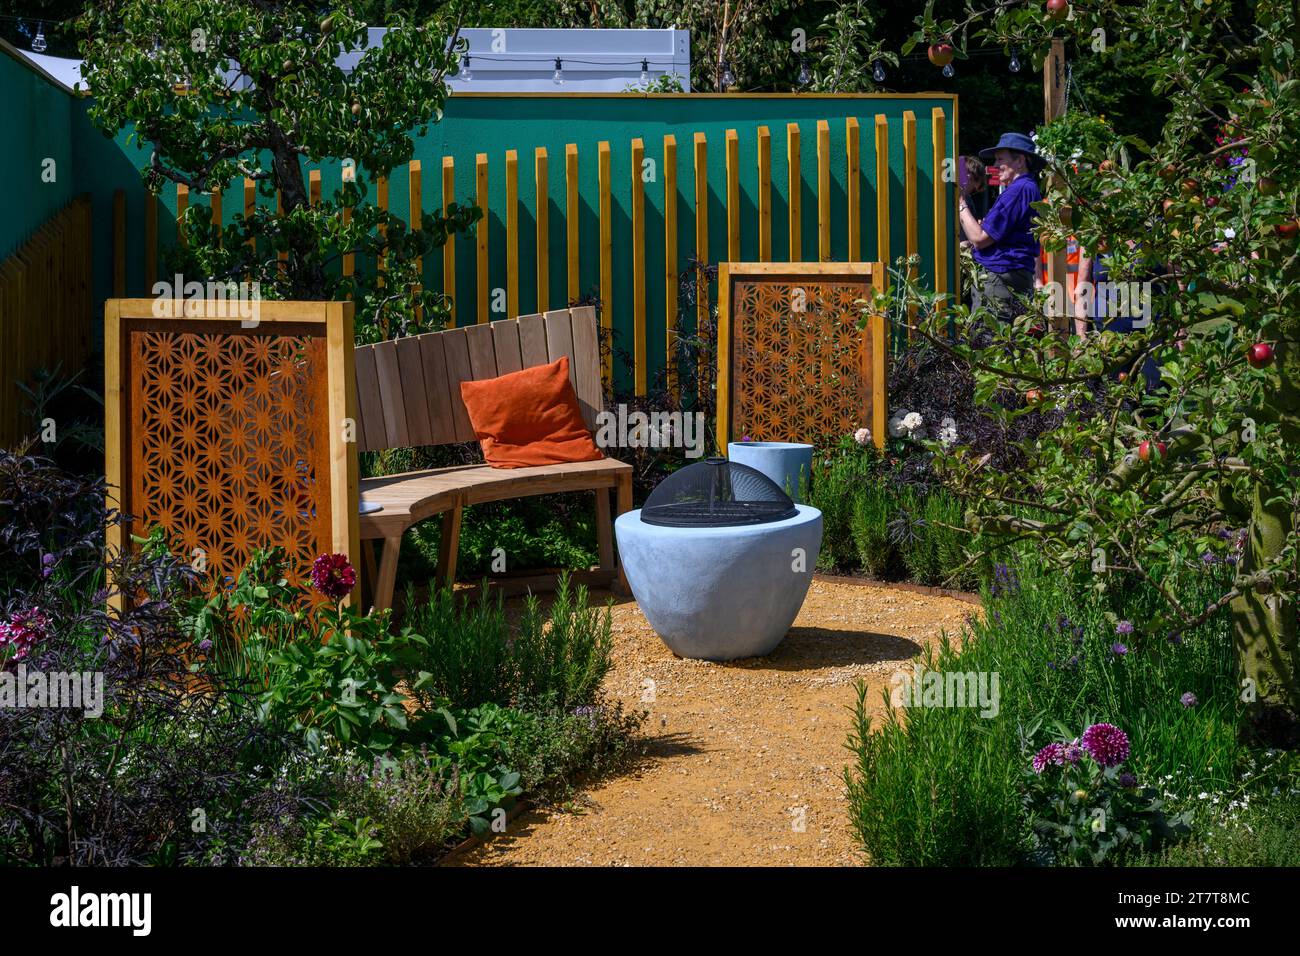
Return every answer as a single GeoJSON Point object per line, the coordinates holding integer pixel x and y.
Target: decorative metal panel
{"type": "Point", "coordinates": [801, 367]}
{"type": "Point", "coordinates": [228, 441]}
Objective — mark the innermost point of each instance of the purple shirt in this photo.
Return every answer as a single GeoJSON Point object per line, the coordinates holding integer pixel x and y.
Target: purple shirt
{"type": "Point", "coordinates": [1010, 224]}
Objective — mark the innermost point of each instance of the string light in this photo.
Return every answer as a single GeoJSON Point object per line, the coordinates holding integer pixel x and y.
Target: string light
{"type": "Point", "coordinates": [805, 75]}
{"type": "Point", "coordinates": [38, 42]}
{"type": "Point", "coordinates": [645, 74]}
{"type": "Point", "coordinates": [1014, 65]}
{"type": "Point", "coordinates": [558, 78]}
{"type": "Point", "coordinates": [466, 73]}
{"type": "Point", "coordinates": [728, 78]}
{"type": "Point", "coordinates": [878, 71]}
{"type": "Point", "coordinates": [948, 71]}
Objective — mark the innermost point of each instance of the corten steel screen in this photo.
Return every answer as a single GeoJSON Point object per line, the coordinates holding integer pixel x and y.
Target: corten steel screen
{"type": "Point", "coordinates": [801, 369]}
{"type": "Point", "coordinates": [221, 435]}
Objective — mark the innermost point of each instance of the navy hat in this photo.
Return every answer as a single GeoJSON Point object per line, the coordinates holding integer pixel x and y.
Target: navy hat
{"type": "Point", "coordinates": [1020, 143]}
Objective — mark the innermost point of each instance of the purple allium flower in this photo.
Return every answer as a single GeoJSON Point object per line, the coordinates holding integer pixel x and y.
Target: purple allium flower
{"type": "Point", "coordinates": [1072, 752]}
{"type": "Point", "coordinates": [1118, 649]}
{"type": "Point", "coordinates": [333, 576]}
{"type": "Point", "coordinates": [1188, 700]}
{"type": "Point", "coordinates": [1051, 755]}
{"type": "Point", "coordinates": [1124, 627]}
{"type": "Point", "coordinates": [1127, 779]}
{"type": "Point", "coordinates": [47, 565]}
{"type": "Point", "coordinates": [1106, 744]}
{"type": "Point", "coordinates": [1051, 665]}
{"type": "Point", "coordinates": [1208, 557]}
{"type": "Point", "coordinates": [205, 645]}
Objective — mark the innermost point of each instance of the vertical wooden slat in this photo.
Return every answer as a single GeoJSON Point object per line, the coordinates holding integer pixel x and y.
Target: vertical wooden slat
{"type": "Point", "coordinates": [939, 139]}
{"type": "Point", "coordinates": [442, 419]}
{"type": "Point", "coordinates": [391, 396]}
{"type": "Point", "coordinates": [349, 175]}
{"type": "Point", "coordinates": [250, 205]}
{"type": "Point", "coordinates": [724, 356]}
{"type": "Point", "coordinates": [415, 213]}
{"type": "Point", "coordinates": [456, 348]}
{"type": "Point", "coordinates": [701, 236]}
{"type": "Point", "coordinates": [313, 187]}
{"type": "Point", "coordinates": [119, 243]}
{"type": "Point", "coordinates": [909, 180]}
{"type": "Point", "coordinates": [481, 234]}
{"type": "Point", "coordinates": [532, 340]}
{"type": "Point", "coordinates": [853, 174]}
{"type": "Point", "coordinates": [482, 353]}
{"type": "Point", "coordinates": [505, 342]}
{"type": "Point", "coordinates": [586, 354]}
{"type": "Point", "coordinates": [670, 261]}
{"type": "Point", "coordinates": [381, 203]}
{"type": "Point", "coordinates": [373, 434]}
{"type": "Point", "coordinates": [606, 260]}
{"type": "Point", "coordinates": [410, 365]}
{"type": "Point", "coordinates": [150, 240]}
{"type": "Point", "coordinates": [764, 194]}
{"type": "Point", "coordinates": [215, 198]}
{"type": "Point", "coordinates": [823, 191]}
{"type": "Point", "coordinates": [571, 217]}
{"type": "Point", "coordinates": [794, 190]}
{"type": "Point", "coordinates": [733, 196]}
{"type": "Point", "coordinates": [638, 268]}
{"type": "Point", "coordinates": [542, 216]}
{"type": "Point", "coordinates": [882, 197]}
{"type": "Point", "coordinates": [182, 204]}
{"type": "Point", "coordinates": [879, 364]}
{"type": "Point", "coordinates": [559, 341]}
{"type": "Point", "coordinates": [449, 247]}
{"type": "Point", "coordinates": [512, 234]}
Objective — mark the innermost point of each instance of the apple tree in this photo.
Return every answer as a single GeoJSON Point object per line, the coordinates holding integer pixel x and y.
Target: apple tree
{"type": "Point", "coordinates": [1201, 469]}
{"type": "Point", "coordinates": [219, 90]}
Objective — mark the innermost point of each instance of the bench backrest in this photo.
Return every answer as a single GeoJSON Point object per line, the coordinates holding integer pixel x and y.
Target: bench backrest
{"type": "Point", "coordinates": [408, 389]}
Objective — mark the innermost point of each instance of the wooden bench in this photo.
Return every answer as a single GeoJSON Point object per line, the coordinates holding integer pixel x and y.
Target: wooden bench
{"type": "Point", "coordinates": [408, 394]}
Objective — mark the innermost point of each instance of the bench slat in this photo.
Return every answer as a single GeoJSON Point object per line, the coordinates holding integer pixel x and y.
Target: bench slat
{"type": "Point", "coordinates": [456, 347]}
{"type": "Point", "coordinates": [559, 341]}
{"type": "Point", "coordinates": [442, 422]}
{"type": "Point", "coordinates": [532, 340]}
{"type": "Point", "coordinates": [482, 356]}
{"type": "Point", "coordinates": [371, 434]}
{"type": "Point", "coordinates": [390, 394]}
{"type": "Point", "coordinates": [505, 339]}
{"type": "Point", "coordinates": [586, 362]}
{"type": "Point", "coordinates": [416, 406]}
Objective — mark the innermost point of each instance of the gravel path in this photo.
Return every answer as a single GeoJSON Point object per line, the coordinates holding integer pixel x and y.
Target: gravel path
{"type": "Point", "coordinates": [745, 762]}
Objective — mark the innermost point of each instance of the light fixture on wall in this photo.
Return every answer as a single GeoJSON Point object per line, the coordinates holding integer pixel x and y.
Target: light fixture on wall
{"type": "Point", "coordinates": [878, 71]}
{"type": "Point", "coordinates": [558, 77]}
{"type": "Point", "coordinates": [466, 73]}
{"type": "Point", "coordinates": [38, 41]}
{"type": "Point", "coordinates": [805, 74]}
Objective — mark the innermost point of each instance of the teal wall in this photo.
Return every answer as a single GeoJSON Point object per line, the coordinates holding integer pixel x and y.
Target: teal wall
{"type": "Point", "coordinates": [36, 121]}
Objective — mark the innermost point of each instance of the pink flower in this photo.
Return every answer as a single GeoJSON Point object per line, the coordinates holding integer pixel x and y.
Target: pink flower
{"type": "Point", "coordinates": [1106, 744]}
{"type": "Point", "coordinates": [1051, 755]}
{"type": "Point", "coordinates": [23, 631]}
{"type": "Point", "coordinates": [333, 576]}
{"type": "Point", "coordinates": [862, 436]}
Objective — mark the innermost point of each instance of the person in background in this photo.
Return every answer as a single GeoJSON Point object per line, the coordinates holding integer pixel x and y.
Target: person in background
{"type": "Point", "coordinates": [972, 182]}
{"type": "Point", "coordinates": [1102, 311]}
{"type": "Point", "coordinates": [1004, 239]}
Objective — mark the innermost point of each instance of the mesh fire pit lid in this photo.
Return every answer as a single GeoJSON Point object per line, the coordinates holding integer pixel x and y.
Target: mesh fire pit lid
{"type": "Point", "coordinates": [715, 493]}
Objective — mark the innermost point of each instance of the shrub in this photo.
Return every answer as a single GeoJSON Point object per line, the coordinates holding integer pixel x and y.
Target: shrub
{"type": "Point", "coordinates": [838, 478]}
{"type": "Point", "coordinates": [873, 508]}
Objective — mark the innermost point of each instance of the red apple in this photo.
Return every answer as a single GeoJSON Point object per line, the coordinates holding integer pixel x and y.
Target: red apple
{"type": "Point", "coordinates": [1288, 229]}
{"type": "Point", "coordinates": [1146, 448]}
{"type": "Point", "coordinates": [1190, 186]}
{"type": "Point", "coordinates": [1123, 376]}
{"type": "Point", "coordinates": [1260, 355]}
{"type": "Point", "coordinates": [1058, 9]}
{"type": "Point", "coordinates": [1033, 396]}
{"type": "Point", "coordinates": [941, 54]}
{"type": "Point", "coordinates": [1211, 201]}
{"type": "Point", "coordinates": [1169, 171]}
{"type": "Point", "coordinates": [1106, 165]}
{"type": "Point", "coordinates": [1268, 186]}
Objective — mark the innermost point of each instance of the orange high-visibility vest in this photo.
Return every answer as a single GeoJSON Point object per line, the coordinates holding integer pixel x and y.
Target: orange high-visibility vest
{"type": "Point", "coordinates": [1071, 266]}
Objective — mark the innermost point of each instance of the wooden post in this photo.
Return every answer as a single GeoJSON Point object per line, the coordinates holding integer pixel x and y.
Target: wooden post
{"type": "Point", "coordinates": [542, 219]}
{"type": "Point", "coordinates": [823, 191]}
{"type": "Point", "coordinates": [853, 173]}
{"type": "Point", "coordinates": [670, 261]}
{"type": "Point", "coordinates": [481, 235]}
{"type": "Point", "coordinates": [640, 381]}
{"type": "Point", "coordinates": [1054, 109]}
{"type": "Point", "coordinates": [701, 238]}
{"type": "Point", "coordinates": [512, 234]}
{"type": "Point", "coordinates": [349, 175]}
{"type": "Point", "coordinates": [733, 196]}
{"type": "Point", "coordinates": [606, 261]}
{"type": "Point", "coordinates": [449, 247]}
{"type": "Point", "coordinates": [415, 211]}
{"type": "Point", "coordinates": [910, 201]}
{"type": "Point", "coordinates": [794, 189]}
{"type": "Point", "coordinates": [764, 194]}
{"type": "Point", "coordinates": [882, 198]}
{"type": "Point", "coordinates": [571, 217]}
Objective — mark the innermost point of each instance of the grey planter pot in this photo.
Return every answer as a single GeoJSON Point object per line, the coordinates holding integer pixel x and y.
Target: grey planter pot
{"type": "Point", "coordinates": [720, 593]}
{"type": "Point", "coordinates": [789, 464]}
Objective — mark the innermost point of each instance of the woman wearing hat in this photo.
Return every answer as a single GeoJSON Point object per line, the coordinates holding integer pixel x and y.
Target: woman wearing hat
{"type": "Point", "coordinates": [1004, 239]}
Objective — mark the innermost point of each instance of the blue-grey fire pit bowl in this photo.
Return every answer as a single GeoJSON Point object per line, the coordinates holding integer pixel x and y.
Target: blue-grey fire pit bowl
{"type": "Point", "coordinates": [720, 593]}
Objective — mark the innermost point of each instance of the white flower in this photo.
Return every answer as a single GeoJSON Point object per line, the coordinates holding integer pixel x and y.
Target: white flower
{"type": "Point", "coordinates": [1229, 233]}
{"type": "Point", "coordinates": [896, 427]}
{"type": "Point", "coordinates": [948, 431]}
{"type": "Point", "coordinates": [862, 436]}
{"type": "Point", "coordinates": [912, 421]}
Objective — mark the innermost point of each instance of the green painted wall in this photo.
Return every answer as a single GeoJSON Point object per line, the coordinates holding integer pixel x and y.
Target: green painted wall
{"type": "Point", "coordinates": [36, 118]}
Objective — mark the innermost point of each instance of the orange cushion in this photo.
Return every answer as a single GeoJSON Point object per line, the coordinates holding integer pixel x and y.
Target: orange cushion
{"type": "Point", "coordinates": [528, 418]}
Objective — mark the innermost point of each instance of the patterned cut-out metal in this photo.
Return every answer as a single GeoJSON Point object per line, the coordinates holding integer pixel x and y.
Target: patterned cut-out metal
{"type": "Point", "coordinates": [233, 438]}
{"type": "Point", "coordinates": [801, 369]}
